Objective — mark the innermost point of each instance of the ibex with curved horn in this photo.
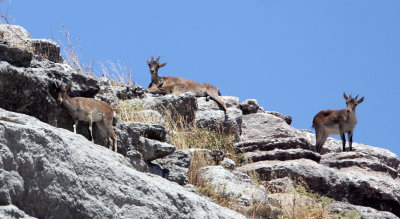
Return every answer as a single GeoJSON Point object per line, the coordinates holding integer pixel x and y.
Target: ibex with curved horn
{"type": "Point", "coordinates": [335, 122]}
{"type": "Point", "coordinates": [89, 110]}
{"type": "Point", "coordinates": [175, 85]}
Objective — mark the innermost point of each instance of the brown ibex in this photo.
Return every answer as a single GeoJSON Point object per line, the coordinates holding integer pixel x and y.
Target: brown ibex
{"type": "Point", "coordinates": [89, 110]}
{"type": "Point", "coordinates": [175, 85]}
{"type": "Point", "coordinates": [336, 122]}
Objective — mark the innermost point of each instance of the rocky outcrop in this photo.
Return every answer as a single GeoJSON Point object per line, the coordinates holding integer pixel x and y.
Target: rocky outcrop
{"type": "Point", "coordinates": [249, 106]}
{"type": "Point", "coordinates": [182, 106]}
{"type": "Point", "coordinates": [211, 117]}
{"type": "Point", "coordinates": [18, 37]}
{"type": "Point", "coordinates": [282, 155]}
{"type": "Point", "coordinates": [235, 186]}
{"type": "Point", "coordinates": [173, 167]}
{"type": "Point", "coordinates": [49, 172]}
{"type": "Point", "coordinates": [11, 211]}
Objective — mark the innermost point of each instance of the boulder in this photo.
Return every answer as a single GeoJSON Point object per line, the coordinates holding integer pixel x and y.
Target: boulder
{"type": "Point", "coordinates": [249, 106]}
{"type": "Point", "coordinates": [153, 149]}
{"type": "Point", "coordinates": [261, 126]}
{"type": "Point", "coordinates": [235, 186]}
{"type": "Point", "coordinates": [279, 154]}
{"type": "Point", "coordinates": [357, 186]}
{"type": "Point", "coordinates": [47, 49]}
{"type": "Point", "coordinates": [18, 37]}
{"type": "Point", "coordinates": [347, 210]}
{"type": "Point", "coordinates": [152, 131]}
{"type": "Point", "coordinates": [288, 119]}
{"type": "Point", "coordinates": [53, 173]}
{"type": "Point", "coordinates": [15, 56]}
{"type": "Point", "coordinates": [177, 105]}
{"type": "Point", "coordinates": [228, 163]}
{"type": "Point", "coordinates": [112, 93]}
{"type": "Point", "coordinates": [211, 117]}
{"type": "Point", "coordinates": [173, 167]}
{"type": "Point", "coordinates": [11, 211]}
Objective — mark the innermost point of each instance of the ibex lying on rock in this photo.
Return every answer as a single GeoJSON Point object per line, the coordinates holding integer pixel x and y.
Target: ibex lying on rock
{"type": "Point", "coordinates": [175, 85]}
{"type": "Point", "coordinates": [335, 122]}
{"type": "Point", "coordinates": [89, 110]}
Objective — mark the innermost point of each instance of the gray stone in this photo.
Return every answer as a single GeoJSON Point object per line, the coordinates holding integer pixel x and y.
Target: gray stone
{"type": "Point", "coordinates": [177, 105]}
{"type": "Point", "coordinates": [153, 149]}
{"type": "Point", "coordinates": [261, 126]}
{"type": "Point", "coordinates": [274, 143]}
{"type": "Point", "coordinates": [215, 120]}
{"type": "Point", "coordinates": [11, 211]}
{"type": "Point", "coordinates": [47, 49]}
{"type": "Point", "coordinates": [136, 160]}
{"type": "Point", "coordinates": [288, 119]}
{"type": "Point", "coordinates": [236, 186]}
{"type": "Point", "coordinates": [357, 186]}
{"type": "Point", "coordinates": [16, 35]}
{"type": "Point", "coordinates": [15, 56]}
{"type": "Point", "coordinates": [112, 93]}
{"type": "Point", "coordinates": [358, 159]}
{"type": "Point", "coordinates": [287, 154]}
{"type": "Point", "coordinates": [228, 163]}
{"type": "Point", "coordinates": [64, 175]}
{"type": "Point", "coordinates": [173, 167]}
{"type": "Point", "coordinates": [249, 106]}
{"type": "Point", "coordinates": [152, 131]}
{"type": "Point", "coordinates": [349, 210]}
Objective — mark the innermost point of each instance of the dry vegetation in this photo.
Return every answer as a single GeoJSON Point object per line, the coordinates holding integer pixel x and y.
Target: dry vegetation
{"type": "Point", "coordinates": [300, 203]}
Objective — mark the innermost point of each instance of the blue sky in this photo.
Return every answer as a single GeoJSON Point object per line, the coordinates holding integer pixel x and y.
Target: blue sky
{"type": "Point", "coordinates": [294, 57]}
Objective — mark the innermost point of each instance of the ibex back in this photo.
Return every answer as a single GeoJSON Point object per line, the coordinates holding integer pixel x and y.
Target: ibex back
{"type": "Point", "coordinates": [175, 85]}
{"type": "Point", "coordinates": [336, 122]}
{"type": "Point", "coordinates": [89, 110]}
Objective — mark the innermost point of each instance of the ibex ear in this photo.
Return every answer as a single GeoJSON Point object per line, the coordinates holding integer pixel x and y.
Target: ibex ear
{"type": "Point", "coordinates": [163, 64]}
{"type": "Point", "coordinates": [345, 96]}
{"type": "Point", "coordinates": [148, 62]}
{"type": "Point", "coordinates": [360, 100]}
{"type": "Point", "coordinates": [69, 85]}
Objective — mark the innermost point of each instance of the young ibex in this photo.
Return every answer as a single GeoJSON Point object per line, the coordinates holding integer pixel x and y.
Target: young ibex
{"type": "Point", "coordinates": [175, 85]}
{"type": "Point", "coordinates": [335, 122]}
{"type": "Point", "coordinates": [89, 110]}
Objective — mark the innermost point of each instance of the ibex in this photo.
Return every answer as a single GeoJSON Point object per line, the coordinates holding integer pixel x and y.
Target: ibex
{"type": "Point", "coordinates": [89, 110]}
{"type": "Point", "coordinates": [175, 85]}
{"type": "Point", "coordinates": [335, 122]}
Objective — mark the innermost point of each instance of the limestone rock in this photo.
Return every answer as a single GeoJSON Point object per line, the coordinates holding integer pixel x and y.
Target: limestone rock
{"type": "Point", "coordinates": [228, 163]}
{"type": "Point", "coordinates": [288, 119]}
{"type": "Point", "coordinates": [153, 149]}
{"type": "Point", "coordinates": [357, 186]}
{"type": "Point", "coordinates": [47, 49]}
{"type": "Point", "coordinates": [350, 211]}
{"type": "Point", "coordinates": [278, 154]}
{"type": "Point", "coordinates": [11, 211]}
{"type": "Point", "coordinates": [249, 106]}
{"type": "Point", "coordinates": [64, 175]}
{"type": "Point", "coordinates": [264, 126]}
{"type": "Point", "coordinates": [234, 185]}
{"type": "Point", "coordinates": [15, 56]}
{"type": "Point", "coordinates": [173, 167]}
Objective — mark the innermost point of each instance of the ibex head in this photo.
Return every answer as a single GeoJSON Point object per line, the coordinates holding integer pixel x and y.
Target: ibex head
{"type": "Point", "coordinates": [154, 66]}
{"type": "Point", "coordinates": [352, 102]}
{"type": "Point", "coordinates": [62, 91]}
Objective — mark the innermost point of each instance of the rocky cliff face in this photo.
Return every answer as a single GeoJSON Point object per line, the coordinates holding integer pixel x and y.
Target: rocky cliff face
{"type": "Point", "coordinates": [49, 172]}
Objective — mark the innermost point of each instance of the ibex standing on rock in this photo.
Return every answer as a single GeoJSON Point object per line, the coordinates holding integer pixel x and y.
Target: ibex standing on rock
{"type": "Point", "coordinates": [335, 122]}
{"type": "Point", "coordinates": [175, 85]}
{"type": "Point", "coordinates": [89, 110]}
